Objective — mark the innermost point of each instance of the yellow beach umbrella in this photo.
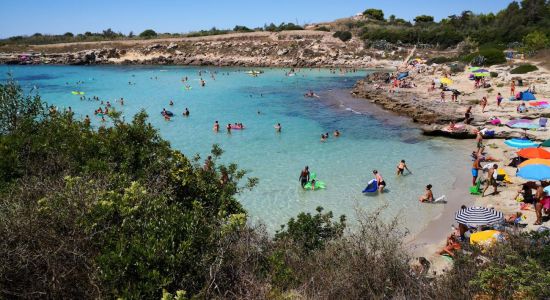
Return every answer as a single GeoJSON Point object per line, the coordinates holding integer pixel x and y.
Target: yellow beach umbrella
{"type": "Point", "coordinates": [445, 80]}
{"type": "Point", "coordinates": [535, 161]}
{"type": "Point", "coordinates": [484, 238]}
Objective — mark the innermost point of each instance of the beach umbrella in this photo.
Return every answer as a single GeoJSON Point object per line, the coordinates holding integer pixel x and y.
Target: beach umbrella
{"type": "Point", "coordinates": [473, 69]}
{"type": "Point", "coordinates": [485, 237]}
{"type": "Point", "coordinates": [447, 81]}
{"type": "Point", "coordinates": [534, 153]}
{"type": "Point", "coordinates": [478, 216]}
{"type": "Point", "coordinates": [535, 161]}
{"type": "Point", "coordinates": [481, 71]}
{"type": "Point", "coordinates": [534, 172]}
{"type": "Point", "coordinates": [545, 143]}
{"type": "Point", "coordinates": [482, 74]}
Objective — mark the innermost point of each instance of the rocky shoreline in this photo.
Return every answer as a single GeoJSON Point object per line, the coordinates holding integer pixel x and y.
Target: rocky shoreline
{"type": "Point", "coordinates": [433, 115]}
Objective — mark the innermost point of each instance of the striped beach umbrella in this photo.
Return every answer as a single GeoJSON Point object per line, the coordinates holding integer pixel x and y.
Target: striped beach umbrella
{"type": "Point", "coordinates": [478, 216]}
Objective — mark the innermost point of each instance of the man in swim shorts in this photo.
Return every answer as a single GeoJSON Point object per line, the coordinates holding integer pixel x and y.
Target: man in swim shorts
{"type": "Point", "coordinates": [379, 180]}
{"type": "Point", "coordinates": [304, 176]}
{"type": "Point", "coordinates": [475, 170]}
{"type": "Point", "coordinates": [491, 181]}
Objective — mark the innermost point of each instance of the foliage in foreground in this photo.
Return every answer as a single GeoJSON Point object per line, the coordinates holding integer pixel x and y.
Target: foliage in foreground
{"type": "Point", "coordinates": [115, 212]}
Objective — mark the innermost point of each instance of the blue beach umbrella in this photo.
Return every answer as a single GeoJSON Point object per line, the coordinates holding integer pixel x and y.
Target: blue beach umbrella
{"type": "Point", "coordinates": [535, 172]}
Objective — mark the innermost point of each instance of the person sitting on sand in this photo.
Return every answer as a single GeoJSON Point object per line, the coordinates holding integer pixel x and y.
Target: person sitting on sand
{"type": "Point", "coordinates": [278, 127]}
{"type": "Point", "coordinates": [216, 126]}
{"type": "Point", "coordinates": [513, 219]}
{"type": "Point", "coordinates": [451, 246]}
{"type": "Point", "coordinates": [428, 195]}
{"type": "Point", "coordinates": [336, 133]}
{"type": "Point", "coordinates": [491, 181]}
{"type": "Point", "coordinates": [522, 108]}
{"type": "Point", "coordinates": [401, 167]}
{"type": "Point", "coordinates": [526, 192]}
{"type": "Point", "coordinates": [379, 180]}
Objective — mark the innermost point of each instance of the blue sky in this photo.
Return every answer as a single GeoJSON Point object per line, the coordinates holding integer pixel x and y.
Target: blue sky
{"type": "Point", "coordinates": [77, 16]}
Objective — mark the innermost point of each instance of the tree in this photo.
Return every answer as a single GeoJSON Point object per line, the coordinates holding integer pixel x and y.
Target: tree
{"type": "Point", "coordinates": [239, 28]}
{"type": "Point", "coordinates": [423, 19]}
{"type": "Point", "coordinates": [68, 34]}
{"type": "Point", "coordinates": [131, 34]}
{"type": "Point", "coordinates": [536, 40]}
{"type": "Point", "coordinates": [148, 33]}
{"type": "Point", "coordinates": [16, 108]}
{"type": "Point", "coordinates": [109, 33]}
{"type": "Point", "coordinates": [376, 14]}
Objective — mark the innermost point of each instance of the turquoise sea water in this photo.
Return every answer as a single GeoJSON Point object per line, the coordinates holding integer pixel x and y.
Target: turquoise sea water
{"type": "Point", "coordinates": [345, 164]}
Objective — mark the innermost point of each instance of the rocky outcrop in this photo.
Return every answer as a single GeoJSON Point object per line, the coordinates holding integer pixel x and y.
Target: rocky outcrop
{"type": "Point", "coordinates": [294, 49]}
{"type": "Point", "coordinates": [403, 103]}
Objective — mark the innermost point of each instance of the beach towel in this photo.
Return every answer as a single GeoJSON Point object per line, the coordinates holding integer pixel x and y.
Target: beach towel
{"type": "Point", "coordinates": [542, 122]}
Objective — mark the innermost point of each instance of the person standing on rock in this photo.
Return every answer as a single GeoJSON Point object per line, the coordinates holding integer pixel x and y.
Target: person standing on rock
{"type": "Point", "coordinates": [483, 104]}
{"type": "Point", "coordinates": [513, 88]}
{"type": "Point", "coordinates": [499, 100]}
{"type": "Point", "coordinates": [468, 115]}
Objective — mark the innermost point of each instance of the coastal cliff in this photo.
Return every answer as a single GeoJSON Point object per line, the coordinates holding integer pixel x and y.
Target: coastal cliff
{"type": "Point", "coordinates": [302, 48]}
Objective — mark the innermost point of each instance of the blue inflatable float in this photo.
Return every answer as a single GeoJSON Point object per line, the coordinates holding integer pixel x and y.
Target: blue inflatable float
{"type": "Point", "coordinates": [372, 187]}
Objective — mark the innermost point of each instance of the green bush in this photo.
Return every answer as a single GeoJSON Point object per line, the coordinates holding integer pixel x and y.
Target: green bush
{"type": "Point", "coordinates": [440, 60]}
{"type": "Point", "coordinates": [485, 57]}
{"type": "Point", "coordinates": [526, 68]}
{"type": "Point", "coordinates": [149, 33]}
{"type": "Point", "coordinates": [494, 74]}
{"type": "Point", "coordinates": [323, 28]}
{"type": "Point", "coordinates": [344, 36]}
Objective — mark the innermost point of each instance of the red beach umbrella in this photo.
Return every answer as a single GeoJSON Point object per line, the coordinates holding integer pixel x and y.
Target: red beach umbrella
{"type": "Point", "coordinates": [534, 153]}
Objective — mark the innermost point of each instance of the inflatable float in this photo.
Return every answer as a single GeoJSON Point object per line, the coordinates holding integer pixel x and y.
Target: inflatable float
{"type": "Point", "coordinates": [77, 93]}
{"type": "Point", "coordinates": [237, 127]}
{"type": "Point", "coordinates": [168, 113]}
{"type": "Point", "coordinates": [372, 187]}
{"type": "Point", "coordinates": [318, 184]}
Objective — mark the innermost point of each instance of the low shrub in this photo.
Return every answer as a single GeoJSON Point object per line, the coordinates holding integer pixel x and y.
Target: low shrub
{"type": "Point", "coordinates": [522, 69]}
{"type": "Point", "coordinates": [440, 60]}
{"type": "Point", "coordinates": [494, 74]}
{"type": "Point", "coordinates": [344, 36]}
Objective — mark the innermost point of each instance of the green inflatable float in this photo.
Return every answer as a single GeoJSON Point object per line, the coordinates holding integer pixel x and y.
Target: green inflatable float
{"type": "Point", "coordinates": [314, 184]}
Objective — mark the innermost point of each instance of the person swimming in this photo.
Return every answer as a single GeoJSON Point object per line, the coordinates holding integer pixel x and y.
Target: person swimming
{"type": "Point", "coordinates": [278, 127]}
{"type": "Point", "coordinates": [228, 128]}
{"type": "Point", "coordinates": [216, 126]}
{"type": "Point", "coordinates": [336, 133]}
{"type": "Point", "coordinates": [171, 103]}
{"type": "Point", "coordinates": [304, 176]}
{"type": "Point", "coordinates": [379, 180]}
{"type": "Point", "coordinates": [401, 167]}
{"type": "Point", "coordinates": [186, 112]}
{"type": "Point", "coordinates": [323, 138]}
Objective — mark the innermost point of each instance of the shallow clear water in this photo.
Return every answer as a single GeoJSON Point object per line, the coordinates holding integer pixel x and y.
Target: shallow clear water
{"type": "Point", "coordinates": [344, 163]}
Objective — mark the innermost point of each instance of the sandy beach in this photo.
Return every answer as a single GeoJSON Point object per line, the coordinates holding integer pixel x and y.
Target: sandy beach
{"type": "Point", "coordinates": [435, 114]}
